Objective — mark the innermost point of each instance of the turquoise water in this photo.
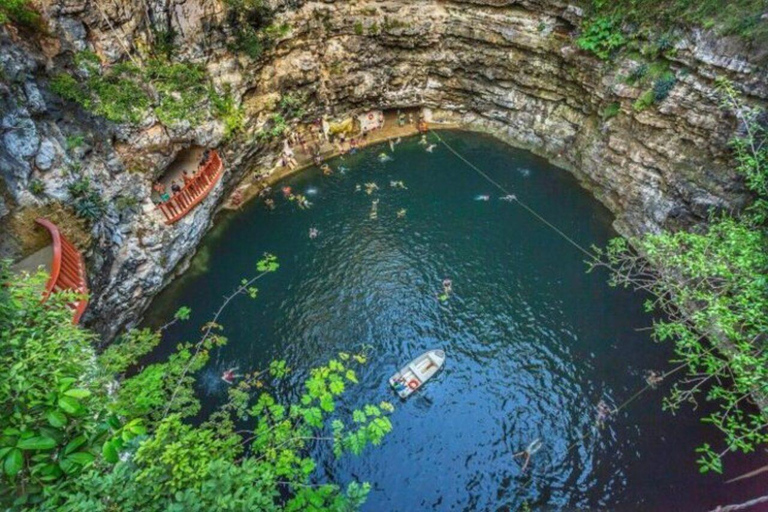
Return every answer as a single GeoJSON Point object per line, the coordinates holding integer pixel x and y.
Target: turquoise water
{"type": "Point", "coordinates": [533, 342]}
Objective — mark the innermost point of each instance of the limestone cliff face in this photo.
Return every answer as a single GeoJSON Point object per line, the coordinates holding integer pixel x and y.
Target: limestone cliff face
{"type": "Point", "coordinates": [508, 67]}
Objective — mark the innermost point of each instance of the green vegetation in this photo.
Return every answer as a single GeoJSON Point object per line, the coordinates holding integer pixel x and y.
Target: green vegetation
{"type": "Point", "coordinates": [274, 128]}
{"type": "Point", "coordinates": [359, 28]}
{"type": "Point", "coordinates": [37, 187]}
{"type": "Point", "coordinates": [602, 36]}
{"type": "Point", "coordinates": [610, 111]}
{"type": "Point", "coordinates": [251, 22]}
{"type": "Point", "coordinates": [710, 288]}
{"type": "Point", "coordinates": [654, 17]}
{"type": "Point", "coordinates": [75, 141]}
{"type": "Point", "coordinates": [88, 431]}
{"type": "Point", "coordinates": [19, 12]}
{"type": "Point", "coordinates": [176, 92]}
{"type": "Point", "coordinates": [227, 110]}
{"type": "Point", "coordinates": [86, 202]}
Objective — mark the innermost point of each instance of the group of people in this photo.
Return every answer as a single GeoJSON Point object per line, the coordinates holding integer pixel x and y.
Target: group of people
{"type": "Point", "coordinates": [178, 184]}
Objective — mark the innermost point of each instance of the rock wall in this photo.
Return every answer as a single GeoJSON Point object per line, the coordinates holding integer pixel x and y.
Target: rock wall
{"type": "Point", "coordinates": [504, 66]}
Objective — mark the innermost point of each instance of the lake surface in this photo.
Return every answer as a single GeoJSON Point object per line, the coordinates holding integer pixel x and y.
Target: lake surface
{"type": "Point", "coordinates": [533, 342]}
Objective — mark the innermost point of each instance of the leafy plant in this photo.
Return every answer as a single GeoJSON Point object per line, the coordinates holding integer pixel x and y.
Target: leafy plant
{"type": "Point", "coordinates": [663, 86]}
{"type": "Point", "coordinates": [644, 101]}
{"type": "Point", "coordinates": [78, 434]}
{"type": "Point", "coordinates": [359, 28]}
{"type": "Point", "coordinates": [601, 36]}
{"type": "Point", "coordinates": [227, 110]}
{"type": "Point", "coordinates": [20, 12]}
{"type": "Point", "coordinates": [37, 187]}
{"type": "Point", "coordinates": [610, 111]}
{"type": "Point", "coordinates": [710, 288]}
{"type": "Point", "coordinates": [75, 141]}
{"type": "Point", "coordinates": [86, 202]}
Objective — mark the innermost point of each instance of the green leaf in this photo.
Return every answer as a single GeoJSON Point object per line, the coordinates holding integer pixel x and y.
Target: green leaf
{"type": "Point", "coordinates": [69, 405]}
{"type": "Point", "coordinates": [109, 451]}
{"type": "Point", "coordinates": [56, 418]}
{"type": "Point", "coordinates": [13, 463]}
{"type": "Point", "coordinates": [74, 444]}
{"type": "Point", "coordinates": [77, 393]}
{"type": "Point", "coordinates": [37, 443]}
{"type": "Point", "coordinates": [82, 458]}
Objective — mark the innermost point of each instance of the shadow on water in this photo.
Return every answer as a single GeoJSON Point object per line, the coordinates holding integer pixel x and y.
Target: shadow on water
{"type": "Point", "coordinates": [533, 341]}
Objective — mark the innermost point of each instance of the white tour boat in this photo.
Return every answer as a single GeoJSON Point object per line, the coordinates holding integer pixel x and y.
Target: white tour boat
{"type": "Point", "coordinates": [417, 372]}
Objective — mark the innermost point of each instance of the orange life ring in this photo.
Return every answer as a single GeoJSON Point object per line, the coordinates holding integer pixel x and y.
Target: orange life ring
{"type": "Point", "coordinates": [413, 384]}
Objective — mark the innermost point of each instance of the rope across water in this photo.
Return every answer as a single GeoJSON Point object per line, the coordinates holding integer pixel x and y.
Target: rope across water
{"type": "Point", "coordinates": [530, 210]}
{"type": "Point", "coordinates": [589, 254]}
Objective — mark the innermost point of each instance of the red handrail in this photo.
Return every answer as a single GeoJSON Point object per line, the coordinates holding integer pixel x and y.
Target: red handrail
{"type": "Point", "coordinates": [194, 191]}
{"type": "Point", "coordinates": [67, 270]}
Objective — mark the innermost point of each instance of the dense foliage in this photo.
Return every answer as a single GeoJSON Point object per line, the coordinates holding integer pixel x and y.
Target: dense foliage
{"type": "Point", "coordinates": [657, 19]}
{"type": "Point", "coordinates": [712, 288]}
{"type": "Point", "coordinates": [174, 91]}
{"type": "Point", "coordinates": [251, 23]}
{"type": "Point", "coordinates": [78, 434]}
{"type": "Point", "coordinates": [19, 12]}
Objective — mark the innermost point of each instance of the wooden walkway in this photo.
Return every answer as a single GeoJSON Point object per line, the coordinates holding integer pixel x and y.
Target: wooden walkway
{"type": "Point", "coordinates": [67, 271]}
{"type": "Point", "coordinates": [194, 191]}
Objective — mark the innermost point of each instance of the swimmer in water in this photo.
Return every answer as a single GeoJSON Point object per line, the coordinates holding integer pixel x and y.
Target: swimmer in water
{"type": "Point", "coordinates": [370, 187]}
{"type": "Point", "coordinates": [423, 140]}
{"type": "Point", "coordinates": [528, 452]}
{"type": "Point", "coordinates": [358, 188]}
{"type": "Point", "coordinates": [342, 169]}
{"type": "Point", "coordinates": [229, 375]}
{"type": "Point", "coordinates": [447, 286]}
{"type": "Point", "coordinates": [430, 148]}
{"type": "Point", "coordinates": [327, 171]}
{"type": "Point", "coordinates": [401, 213]}
{"type": "Point", "coordinates": [311, 191]}
{"type": "Point", "coordinates": [383, 157]}
{"type": "Point", "coordinates": [482, 198]}
{"type": "Point", "coordinates": [604, 412]}
{"type": "Point", "coordinates": [509, 198]}
{"type": "Point", "coordinates": [286, 191]}
{"type": "Point", "coordinates": [398, 184]}
{"type": "Point", "coordinates": [313, 232]}
{"type": "Point", "coordinates": [269, 203]}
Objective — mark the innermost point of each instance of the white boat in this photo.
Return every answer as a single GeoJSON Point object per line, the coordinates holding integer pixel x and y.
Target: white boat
{"type": "Point", "coordinates": [417, 372]}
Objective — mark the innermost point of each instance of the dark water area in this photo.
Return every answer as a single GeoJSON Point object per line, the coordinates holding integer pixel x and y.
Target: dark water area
{"type": "Point", "coordinates": [533, 342]}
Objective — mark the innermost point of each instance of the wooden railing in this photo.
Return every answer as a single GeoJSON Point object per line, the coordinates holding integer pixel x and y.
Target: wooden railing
{"type": "Point", "coordinates": [194, 191]}
{"type": "Point", "coordinates": [67, 270]}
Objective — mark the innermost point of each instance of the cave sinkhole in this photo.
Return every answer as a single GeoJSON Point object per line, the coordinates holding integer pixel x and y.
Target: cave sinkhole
{"type": "Point", "coordinates": [533, 341]}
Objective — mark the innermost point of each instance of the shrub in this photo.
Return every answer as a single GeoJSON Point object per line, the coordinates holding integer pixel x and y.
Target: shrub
{"type": "Point", "coordinates": [75, 141]}
{"type": "Point", "coordinates": [637, 74]}
{"type": "Point", "coordinates": [644, 101]}
{"type": "Point", "coordinates": [225, 108]}
{"type": "Point", "coordinates": [601, 36]}
{"type": "Point", "coordinates": [663, 86]}
{"type": "Point", "coordinates": [37, 187]}
{"type": "Point", "coordinates": [20, 12]}
{"type": "Point", "coordinates": [610, 111]}
{"type": "Point", "coordinates": [359, 28]}
{"type": "Point", "coordinates": [86, 202]}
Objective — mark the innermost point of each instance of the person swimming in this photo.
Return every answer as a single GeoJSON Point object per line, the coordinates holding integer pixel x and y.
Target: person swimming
{"type": "Point", "coordinates": [313, 232]}
{"type": "Point", "coordinates": [229, 375]}
{"type": "Point", "coordinates": [398, 184]}
{"type": "Point", "coordinates": [286, 191]}
{"type": "Point", "coordinates": [447, 286]}
{"type": "Point", "coordinates": [604, 412]}
{"type": "Point", "coordinates": [431, 148]}
{"type": "Point", "coordinates": [383, 157]}
{"type": "Point", "coordinates": [370, 188]}
{"type": "Point", "coordinates": [508, 198]}
{"type": "Point", "coordinates": [327, 171]}
{"type": "Point", "coordinates": [423, 140]}
{"type": "Point", "coordinates": [311, 191]}
{"type": "Point", "coordinates": [401, 213]}
{"type": "Point", "coordinates": [269, 203]}
{"type": "Point", "coordinates": [482, 198]}
{"type": "Point", "coordinates": [374, 209]}
{"type": "Point", "coordinates": [343, 169]}
{"type": "Point", "coordinates": [532, 448]}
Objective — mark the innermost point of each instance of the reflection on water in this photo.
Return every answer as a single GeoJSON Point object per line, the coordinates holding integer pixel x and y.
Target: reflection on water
{"type": "Point", "coordinates": [533, 343]}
